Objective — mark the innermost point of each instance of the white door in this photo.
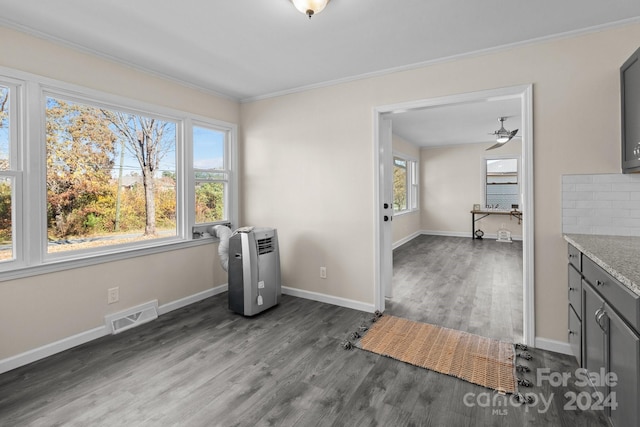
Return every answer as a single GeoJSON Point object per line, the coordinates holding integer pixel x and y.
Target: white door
{"type": "Point", "coordinates": [386, 205]}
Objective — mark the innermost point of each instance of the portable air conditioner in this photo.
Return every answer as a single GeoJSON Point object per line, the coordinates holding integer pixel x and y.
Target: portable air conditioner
{"type": "Point", "coordinates": [254, 270]}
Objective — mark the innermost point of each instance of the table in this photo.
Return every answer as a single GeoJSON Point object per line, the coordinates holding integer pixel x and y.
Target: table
{"type": "Point", "coordinates": [486, 212]}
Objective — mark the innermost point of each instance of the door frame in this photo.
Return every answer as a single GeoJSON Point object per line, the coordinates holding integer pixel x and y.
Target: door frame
{"type": "Point", "coordinates": [383, 181]}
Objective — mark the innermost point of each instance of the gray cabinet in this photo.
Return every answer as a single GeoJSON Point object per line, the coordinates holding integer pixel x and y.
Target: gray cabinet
{"type": "Point", "coordinates": [594, 335]}
{"type": "Point", "coordinates": [623, 352]}
{"type": "Point", "coordinates": [575, 311]}
{"type": "Point", "coordinates": [630, 97]}
{"type": "Point", "coordinates": [608, 342]}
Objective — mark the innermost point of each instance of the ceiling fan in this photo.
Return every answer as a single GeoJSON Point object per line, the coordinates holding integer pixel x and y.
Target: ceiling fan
{"type": "Point", "coordinates": [502, 135]}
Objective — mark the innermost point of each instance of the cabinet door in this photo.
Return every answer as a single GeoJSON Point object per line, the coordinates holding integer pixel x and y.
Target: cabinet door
{"type": "Point", "coordinates": [575, 290]}
{"type": "Point", "coordinates": [575, 335]}
{"type": "Point", "coordinates": [624, 360]}
{"type": "Point", "coordinates": [593, 358]}
{"type": "Point", "coordinates": [630, 82]}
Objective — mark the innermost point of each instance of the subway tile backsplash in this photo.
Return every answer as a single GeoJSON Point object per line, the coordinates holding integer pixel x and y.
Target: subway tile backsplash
{"type": "Point", "coordinates": [601, 204]}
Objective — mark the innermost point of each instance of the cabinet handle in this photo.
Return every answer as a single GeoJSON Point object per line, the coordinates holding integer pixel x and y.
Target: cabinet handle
{"type": "Point", "coordinates": [599, 318]}
{"type": "Point", "coordinates": [573, 256]}
{"type": "Point", "coordinates": [598, 313]}
{"type": "Point", "coordinates": [571, 332]}
{"type": "Point", "coordinates": [572, 289]}
{"type": "Point", "coordinates": [599, 283]}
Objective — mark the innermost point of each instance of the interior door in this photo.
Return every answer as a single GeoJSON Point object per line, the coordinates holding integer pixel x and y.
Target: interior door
{"type": "Point", "coordinates": [386, 204]}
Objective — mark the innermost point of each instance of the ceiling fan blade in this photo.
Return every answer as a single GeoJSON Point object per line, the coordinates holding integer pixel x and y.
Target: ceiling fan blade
{"type": "Point", "coordinates": [497, 145]}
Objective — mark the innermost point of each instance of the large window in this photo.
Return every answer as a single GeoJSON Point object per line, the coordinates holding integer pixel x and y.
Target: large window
{"type": "Point", "coordinates": [107, 176]}
{"type": "Point", "coordinates": [111, 176]}
{"type": "Point", "coordinates": [502, 190]}
{"type": "Point", "coordinates": [405, 184]}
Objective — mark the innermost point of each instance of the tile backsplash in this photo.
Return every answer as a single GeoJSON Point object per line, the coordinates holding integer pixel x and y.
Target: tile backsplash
{"type": "Point", "coordinates": [601, 204]}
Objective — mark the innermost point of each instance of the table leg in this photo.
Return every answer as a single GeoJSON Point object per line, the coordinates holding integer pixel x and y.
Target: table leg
{"type": "Point", "coordinates": [473, 224]}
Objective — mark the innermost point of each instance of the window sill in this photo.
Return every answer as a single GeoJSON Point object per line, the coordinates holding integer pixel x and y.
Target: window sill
{"type": "Point", "coordinates": [68, 264]}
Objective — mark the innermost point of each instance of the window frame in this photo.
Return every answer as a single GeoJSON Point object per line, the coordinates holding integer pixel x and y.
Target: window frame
{"type": "Point", "coordinates": [484, 177]}
{"type": "Point", "coordinates": [15, 172]}
{"type": "Point", "coordinates": [31, 257]}
{"type": "Point", "coordinates": [412, 184]}
{"type": "Point", "coordinates": [203, 227]}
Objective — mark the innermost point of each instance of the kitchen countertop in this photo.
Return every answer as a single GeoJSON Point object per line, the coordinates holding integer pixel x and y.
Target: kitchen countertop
{"type": "Point", "coordinates": [617, 255]}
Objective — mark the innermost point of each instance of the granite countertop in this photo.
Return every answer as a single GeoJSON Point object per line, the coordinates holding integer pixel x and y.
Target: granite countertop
{"type": "Point", "coordinates": [618, 255]}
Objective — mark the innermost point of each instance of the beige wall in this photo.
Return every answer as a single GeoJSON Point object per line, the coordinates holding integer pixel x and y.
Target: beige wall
{"type": "Point", "coordinates": [39, 310]}
{"type": "Point", "coordinates": [307, 165]}
{"type": "Point", "coordinates": [309, 157]}
{"type": "Point", "coordinates": [407, 224]}
{"type": "Point", "coordinates": [451, 183]}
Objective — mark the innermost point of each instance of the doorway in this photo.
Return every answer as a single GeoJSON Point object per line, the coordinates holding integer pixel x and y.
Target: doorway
{"type": "Point", "coordinates": [383, 118]}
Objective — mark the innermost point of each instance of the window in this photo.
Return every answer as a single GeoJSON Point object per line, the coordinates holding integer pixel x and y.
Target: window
{"type": "Point", "coordinates": [109, 177]}
{"type": "Point", "coordinates": [405, 184]}
{"type": "Point", "coordinates": [502, 189]}
{"type": "Point", "coordinates": [9, 172]}
{"type": "Point", "coordinates": [211, 174]}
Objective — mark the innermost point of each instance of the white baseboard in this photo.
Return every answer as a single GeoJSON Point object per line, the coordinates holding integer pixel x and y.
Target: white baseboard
{"type": "Point", "coordinates": [553, 345]}
{"type": "Point", "coordinates": [183, 302]}
{"type": "Point", "coordinates": [92, 334]}
{"type": "Point", "coordinates": [51, 349]}
{"type": "Point", "coordinates": [462, 234]}
{"type": "Point", "coordinates": [405, 240]}
{"type": "Point", "coordinates": [329, 299]}
{"type": "Point", "coordinates": [446, 233]}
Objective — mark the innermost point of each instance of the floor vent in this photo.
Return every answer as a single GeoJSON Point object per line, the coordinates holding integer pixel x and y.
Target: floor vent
{"type": "Point", "coordinates": [130, 318]}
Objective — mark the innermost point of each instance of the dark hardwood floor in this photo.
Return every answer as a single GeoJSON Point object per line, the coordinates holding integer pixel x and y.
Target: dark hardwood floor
{"type": "Point", "coordinates": [456, 282]}
{"type": "Point", "coordinates": [205, 366]}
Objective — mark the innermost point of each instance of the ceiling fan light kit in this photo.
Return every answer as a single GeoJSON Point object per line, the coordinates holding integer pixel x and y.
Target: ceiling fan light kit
{"type": "Point", "coordinates": [310, 7]}
{"type": "Point", "coordinates": [502, 135]}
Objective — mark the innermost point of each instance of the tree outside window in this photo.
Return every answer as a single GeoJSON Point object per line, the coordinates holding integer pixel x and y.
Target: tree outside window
{"type": "Point", "coordinates": [405, 184]}
{"type": "Point", "coordinates": [6, 182]}
{"type": "Point", "coordinates": [111, 176]}
{"type": "Point", "coordinates": [211, 174]}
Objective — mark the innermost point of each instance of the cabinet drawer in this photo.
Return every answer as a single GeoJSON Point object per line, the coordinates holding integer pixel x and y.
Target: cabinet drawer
{"type": "Point", "coordinates": [626, 303]}
{"type": "Point", "coordinates": [575, 257]}
{"type": "Point", "coordinates": [575, 290]}
{"type": "Point", "coordinates": [575, 335]}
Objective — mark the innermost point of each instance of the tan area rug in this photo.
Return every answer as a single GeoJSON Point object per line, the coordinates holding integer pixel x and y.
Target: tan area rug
{"type": "Point", "coordinates": [478, 360]}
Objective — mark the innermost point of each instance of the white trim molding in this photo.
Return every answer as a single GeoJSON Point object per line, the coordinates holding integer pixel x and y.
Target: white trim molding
{"type": "Point", "coordinates": [553, 345]}
{"type": "Point", "coordinates": [329, 299]}
{"type": "Point", "coordinates": [465, 234]}
{"type": "Point", "coordinates": [67, 343]}
{"type": "Point", "coordinates": [525, 94]}
{"type": "Point", "coordinates": [406, 239]}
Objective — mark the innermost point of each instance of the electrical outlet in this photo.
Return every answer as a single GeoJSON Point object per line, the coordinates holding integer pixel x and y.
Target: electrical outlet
{"type": "Point", "coordinates": [113, 295]}
{"type": "Point", "coordinates": [323, 272]}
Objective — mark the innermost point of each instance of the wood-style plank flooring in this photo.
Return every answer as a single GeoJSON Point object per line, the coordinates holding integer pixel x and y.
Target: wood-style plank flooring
{"type": "Point", "coordinates": [460, 283]}
{"type": "Point", "coordinates": [206, 366]}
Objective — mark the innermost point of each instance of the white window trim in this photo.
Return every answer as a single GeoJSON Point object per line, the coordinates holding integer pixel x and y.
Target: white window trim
{"type": "Point", "coordinates": [228, 169]}
{"type": "Point", "coordinates": [30, 229]}
{"type": "Point", "coordinates": [483, 181]}
{"type": "Point", "coordinates": [412, 163]}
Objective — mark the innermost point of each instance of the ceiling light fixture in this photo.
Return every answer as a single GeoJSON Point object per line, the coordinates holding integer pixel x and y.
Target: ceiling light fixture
{"type": "Point", "coordinates": [310, 7]}
{"type": "Point", "coordinates": [502, 135]}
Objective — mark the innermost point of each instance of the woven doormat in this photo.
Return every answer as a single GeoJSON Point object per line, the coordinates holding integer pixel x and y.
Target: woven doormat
{"type": "Point", "coordinates": [478, 360]}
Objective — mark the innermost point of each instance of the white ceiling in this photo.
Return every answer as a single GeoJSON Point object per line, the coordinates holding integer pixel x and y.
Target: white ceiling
{"type": "Point", "coordinates": [247, 50]}
{"type": "Point", "coordinates": [457, 124]}
{"type": "Point", "coordinates": [251, 49]}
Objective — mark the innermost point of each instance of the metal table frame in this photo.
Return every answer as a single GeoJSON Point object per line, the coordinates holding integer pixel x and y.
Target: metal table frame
{"type": "Point", "coordinates": [485, 213]}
